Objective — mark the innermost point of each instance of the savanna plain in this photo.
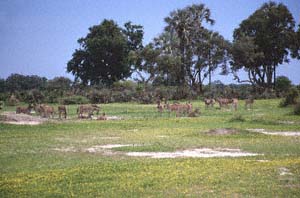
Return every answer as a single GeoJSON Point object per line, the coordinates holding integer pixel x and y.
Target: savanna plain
{"type": "Point", "coordinates": [93, 158]}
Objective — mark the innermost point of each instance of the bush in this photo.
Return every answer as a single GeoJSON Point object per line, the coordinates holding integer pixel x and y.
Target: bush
{"type": "Point", "coordinates": [124, 85]}
{"type": "Point", "coordinates": [34, 96]}
{"type": "Point", "coordinates": [74, 100]}
{"type": "Point", "coordinates": [184, 92]}
{"type": "Point", "coordinates": [51, 97]}
{"type": "Point", "coordinates": [267, 94]}
{"type": "Point", "coordinates": [237, 118]}
{"type": "Point", "coordinates": [291, 98]}
{"type": "Point", "coordinates": [4, 96]}
{"type": "Point", "coordinates": [1, 104]}
{"type": "Point", "coordinates": [165, 92]}
{"type": "Point", "coordinates": [99, 96]}
{"type": "Point", "coordinates": [146, 98]}
{"type": "Point", "coordinates": [283, 84]}
{"type": "Point", "coordinates": [297, 109]}
{"type": "Point", "coordinates": [12, 101]}
{"type": "Point", "coordinates": [122, 96]}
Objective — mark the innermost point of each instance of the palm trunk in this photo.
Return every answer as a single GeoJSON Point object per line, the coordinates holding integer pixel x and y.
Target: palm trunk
{"type": "Point", "coordinates": [182, 64]}
{"type": "Point", "coordinates": [269, 77]}
{"type": "Point", "coordinates": [209, 72]}
{"type": "Point", "coordinates": [274, 77]}
{"type": "Point", "coordinates": [200, 82]}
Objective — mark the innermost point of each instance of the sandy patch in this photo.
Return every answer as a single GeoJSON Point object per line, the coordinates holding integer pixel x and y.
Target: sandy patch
{"type": "Point", "coordinates": [162, 136]}
{"type": "Point", "coordinates": [94, 149]}
{"type": "Point", "coordinates": [108, 118]}
{"type": "Point", "coordinates": [222, 131]}
{"type": "Point", "coordinates": [262, 160]}
{"type": "Point", "coordinates": [86, 139]}
{"type": "Point", "coordinates": [114, 118]}
{"type": "Point", "coordinates": [284, 171]}
{"type": "Point", "coordinates": [67, 149]}
{"type": "Point", "coordinates": [100, 148]}
{"type": "Point", "coordinates": [286, 122]}
{"type": "Point", "coordinates": [282, 133]}
{"type": "Point", "coordinates": [133, 130]}
{"type": "Point", "coordinates": [21, 119]}
{"type": "Point", "coordinates": [22, 122]}
{"type": "Point", "coordinates": [109, 138]}
{"type": "Point", "coordinates": [195, 153]}
{"type": "Point", "coordinates": [110, 146]}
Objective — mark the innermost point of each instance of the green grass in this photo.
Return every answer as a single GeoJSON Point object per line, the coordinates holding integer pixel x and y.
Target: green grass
{"type": "Point", "coordinates": [30, 165]}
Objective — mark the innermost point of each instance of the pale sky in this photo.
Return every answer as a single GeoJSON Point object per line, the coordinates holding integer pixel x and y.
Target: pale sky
{"type": "Point", "coordinates": [39, 36]}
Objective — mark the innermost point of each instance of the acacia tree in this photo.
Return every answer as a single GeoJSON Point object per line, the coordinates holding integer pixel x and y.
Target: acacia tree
{"type": "Point", "coordinates": [262, 42]}
{"type": "Point", "coordinates": [296, 45]}
{"type": "Point", "coordinates": [102, 57]}
{"type": "Point", "coordinates": [210, 50]}
{"type": "Point", "coordinates": [158, 61]}
{"type": "Point", "coordinates": [19, 82]}
{"type": "Point", "coordinates": [183, 23]}
{"type": "Point", "coordinates": [186, 52]}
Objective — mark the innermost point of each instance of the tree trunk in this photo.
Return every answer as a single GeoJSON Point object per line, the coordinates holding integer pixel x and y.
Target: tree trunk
{"type": "Point", "coordinates": [209, 81]}
{"type": "Point", "coordinates": [209, 72]}
{"type": "Point", "coordinates": [200, 88]}
{"type": "Point", "coordinates": [269, 77]}
{"type": "Point", "coordinates": [182, 79]}
{"type": "Point", "coordinates": [200, 82]}
{"type": "Point", "coordinates": [274, 77]}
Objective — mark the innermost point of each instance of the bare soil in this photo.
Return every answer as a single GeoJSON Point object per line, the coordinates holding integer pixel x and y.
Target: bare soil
{"type": "Point", "coordinates": [282, 133]}
{"type": "Point", "coordinates": [227, 131]}
{"type": "Point", "coordinates": [194, 153]}
{"type": "Point", "coordinates": [21, 119]}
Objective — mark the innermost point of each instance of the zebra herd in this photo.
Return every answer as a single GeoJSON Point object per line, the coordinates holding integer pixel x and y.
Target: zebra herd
{"type": "Point", "coordinates": [187, 109]}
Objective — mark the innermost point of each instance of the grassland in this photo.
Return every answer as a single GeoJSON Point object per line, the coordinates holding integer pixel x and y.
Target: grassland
{"type": "Point", "coordinates": [33, 163]}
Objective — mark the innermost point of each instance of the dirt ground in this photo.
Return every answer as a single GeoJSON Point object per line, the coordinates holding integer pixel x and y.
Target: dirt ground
{"type": "Point", "coordinates": [281, 133]}
{"type": "Point", "coordinates": [194, 153]}
{"type": "Point", "coordinates": [20, 119]}
{"type": "Point", "coordinates": [222, 132]}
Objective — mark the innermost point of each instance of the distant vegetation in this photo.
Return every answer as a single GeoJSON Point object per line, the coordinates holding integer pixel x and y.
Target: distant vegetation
{"type": "Point", "coordinates": [34, 89]}
{"type": "Point", "coordinates": [187, 52]}
{"type": "Point", "coordinates": [174, 65]}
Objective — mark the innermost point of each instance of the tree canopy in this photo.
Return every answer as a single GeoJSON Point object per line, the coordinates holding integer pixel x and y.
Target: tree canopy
{"type": "Point", "coordinates": [262, 42]}
{"type": "Point", "coordinates": [185, 53]}
{"type": "Point", "coordinates": [103, 54]}
{"type": "Point", "coordinates": [18, 82]}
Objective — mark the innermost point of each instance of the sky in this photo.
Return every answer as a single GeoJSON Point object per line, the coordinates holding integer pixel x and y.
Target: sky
{"type": "Point", "coordinates": [38, 37]}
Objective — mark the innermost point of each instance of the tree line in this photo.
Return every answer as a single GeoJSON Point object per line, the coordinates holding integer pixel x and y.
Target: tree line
{"type": "Point", "coordinates": [35, 89]}
{"type": "Point", "coordinates": [113, 65]}
{"type": "Point", "coordinates": [187, 52]}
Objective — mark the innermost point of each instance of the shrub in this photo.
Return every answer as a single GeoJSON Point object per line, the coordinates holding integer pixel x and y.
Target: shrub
{"type": "Point", "coordinates": [1, 104]}
{"type": "Point", "coordinates": [182, 92]}
{"type": "Point", "coordinates": [124, 85]}
{"type": "Point", "coordinates": [267, 94]}
{"type": "Point", "coordinates": [74, 100]}
{"type": "Point", "coordinates": [34, 96]}
{"type": "Point", "coordinates": [297, 109]}
{"type": "Point", "coordinates": [122, 96]}
{"type": "Point", "coordinates": [146, 98]}
{"type": "Point", "coordinates": [12, 101]}
{"type": "Point", "coordinates": [4, 96]}
{"type": "Point", "coordinates": [283, 84]}
{"type": "Point", "coordinates": [237, 118]}
{"type": "Point", "coordinates": [291, 98]}
{"type": "Point", "coordinates": [165, 92]}
{"type": "Point", "coordinates": [51, 97]}
{"type": "Point", "coordinates": [99, 96]}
